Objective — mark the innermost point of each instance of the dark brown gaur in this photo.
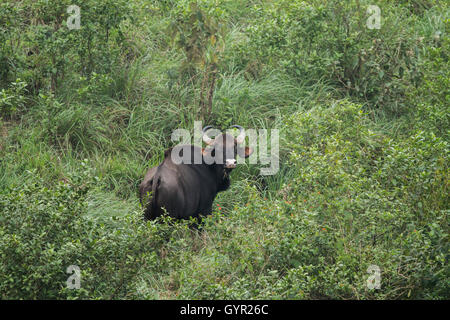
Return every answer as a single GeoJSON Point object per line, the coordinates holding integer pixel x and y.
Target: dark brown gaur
{"type": "Point", "coordinates": [188, 190]}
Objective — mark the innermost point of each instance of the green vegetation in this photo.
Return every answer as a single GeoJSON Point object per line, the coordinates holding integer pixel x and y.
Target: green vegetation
{"type": "Point", "coordinates": [363, 116]}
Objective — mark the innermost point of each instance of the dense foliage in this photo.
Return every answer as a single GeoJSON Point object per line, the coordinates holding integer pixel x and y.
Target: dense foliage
{"type": "Point", "coordinates": [363, 116]}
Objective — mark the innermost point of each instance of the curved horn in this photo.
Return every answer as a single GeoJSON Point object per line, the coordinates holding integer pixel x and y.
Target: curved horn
{"type": "Point", "coordinates": [241, 137]}
{"type": "Point", "coordinates": [205, 137]}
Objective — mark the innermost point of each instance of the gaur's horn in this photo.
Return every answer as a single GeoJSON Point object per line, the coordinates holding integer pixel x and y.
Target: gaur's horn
{"type": "Point", "coordinates": [207, 139]}
{"type": "Point", "coordinates": [241, 137]}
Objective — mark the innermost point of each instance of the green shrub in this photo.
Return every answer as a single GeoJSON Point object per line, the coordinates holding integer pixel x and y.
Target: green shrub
{"type": "Point", "coordinates": [44, 52]}
{"type": "Point", "coordinates": [431, 97]}
{"type": "Point", "coordinates": [383, 201]}
{"type": "Point", "coordinates": [330, 41]}
{"type": "Point", "coordinates": [44, 230]}
{"type": "Point", "coordinates": [12, 100]}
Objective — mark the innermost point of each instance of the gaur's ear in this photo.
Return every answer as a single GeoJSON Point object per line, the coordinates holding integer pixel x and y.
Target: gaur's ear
{"type": "Point", "coordinates": [245, 152]}
{"type": "Point", "coordinates": [248, 151]}
{"type": "Point", "coordinates": [167, 153]}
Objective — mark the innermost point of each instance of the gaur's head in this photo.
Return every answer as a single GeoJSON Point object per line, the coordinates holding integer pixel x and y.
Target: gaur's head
{"type": "Point", "coordinates": [224, 148]}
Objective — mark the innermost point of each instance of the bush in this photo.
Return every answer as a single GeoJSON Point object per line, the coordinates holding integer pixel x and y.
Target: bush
{"type": "Point", "coordinates": [431, 97]}
{"type": "Point", "coordinates": [44, 230]}
{"type": "Point", "coordinates": [330, 41]}
{"type": "Point", "coordinates": [12, 100]}
{"type": "Point", "coordinates": [38, 47]}
{"type": "Point", "coordinates": [381, 201]}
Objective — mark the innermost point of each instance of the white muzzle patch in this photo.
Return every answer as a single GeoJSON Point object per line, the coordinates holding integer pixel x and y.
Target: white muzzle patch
{"type": "Point", "coordinates": [230, 163]}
